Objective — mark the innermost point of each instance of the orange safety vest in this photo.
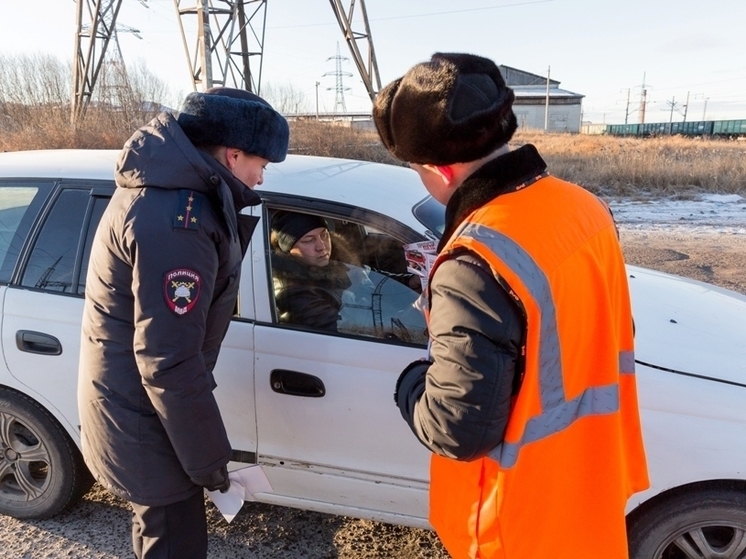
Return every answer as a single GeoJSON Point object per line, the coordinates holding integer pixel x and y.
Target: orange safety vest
{"type": "Point", "coordinates": [558, 484]}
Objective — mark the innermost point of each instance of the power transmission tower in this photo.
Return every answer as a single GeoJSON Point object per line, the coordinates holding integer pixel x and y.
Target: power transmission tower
{"type": "Point", "coordinates": [94, 30]}
{"type": "Point", "coordinates": [95, 59]}
{"type": "Point", "coordinates": [226, 35]}
{"type": "Point", "coordinates": [367, 66]}
{"type": "Point", "coordinates": [339, 98]}
{"type": "Point", "coordinates": [114, 83]}
{"type": "Point", "coordinates": [229, 36]}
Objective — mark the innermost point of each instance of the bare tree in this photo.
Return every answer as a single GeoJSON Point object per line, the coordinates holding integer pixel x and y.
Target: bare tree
{"type": "Point", "coordinates": [35, 95]}
{"type": "Point", "coordinates": [287, 98]}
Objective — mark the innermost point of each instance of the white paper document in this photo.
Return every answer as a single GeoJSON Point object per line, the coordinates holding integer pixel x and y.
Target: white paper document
{"type": "Point", "coordinates": [420, 258]}
{"type": "Point", "coordinates": [244, 484]}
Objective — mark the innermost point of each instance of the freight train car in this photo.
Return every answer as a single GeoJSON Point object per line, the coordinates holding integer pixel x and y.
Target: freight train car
{"type": "Point", "coordinates": [710, 128]}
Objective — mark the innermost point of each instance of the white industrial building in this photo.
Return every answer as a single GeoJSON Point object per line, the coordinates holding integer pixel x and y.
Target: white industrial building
{"type": "Point", "coordinates": [531, 97]}
{"type": "Point", "coordinates": [530, 105]}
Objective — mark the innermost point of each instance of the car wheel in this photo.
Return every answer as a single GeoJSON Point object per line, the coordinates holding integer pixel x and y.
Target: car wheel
{"type": "Point", "coordinates": [41, 470]}
{"type": "Point", "coordinates": [702, 523]}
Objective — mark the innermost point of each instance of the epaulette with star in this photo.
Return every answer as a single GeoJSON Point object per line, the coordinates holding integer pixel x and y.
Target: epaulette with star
{"type": "Point", "coordinates": [187, 214]}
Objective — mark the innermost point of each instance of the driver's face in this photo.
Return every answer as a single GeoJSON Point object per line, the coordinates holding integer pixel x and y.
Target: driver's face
{"type": "Point", "coordinates": [314, 248]}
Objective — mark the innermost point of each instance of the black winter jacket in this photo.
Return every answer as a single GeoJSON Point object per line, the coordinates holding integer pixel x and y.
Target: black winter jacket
{"type": "Point", "coordinates": [160, 292]}
{"type": "Point", "coordinates": [309, 295]}
{"type": "Point", "coordinates": [458, 404]}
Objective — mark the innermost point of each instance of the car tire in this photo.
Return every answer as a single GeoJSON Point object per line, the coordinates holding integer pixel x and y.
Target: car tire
{"type": "Point", "coordinates": [41, 470]}
{"type": "Point", "coordinates": [704, 522]}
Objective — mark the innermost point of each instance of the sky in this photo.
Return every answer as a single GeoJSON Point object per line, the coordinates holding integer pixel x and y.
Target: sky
{"type": "Point", "coordinates": [605, 50]}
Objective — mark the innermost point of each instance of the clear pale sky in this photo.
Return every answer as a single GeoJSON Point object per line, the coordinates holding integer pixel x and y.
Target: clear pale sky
{"type": "Point", "coordinates": [599, 48]}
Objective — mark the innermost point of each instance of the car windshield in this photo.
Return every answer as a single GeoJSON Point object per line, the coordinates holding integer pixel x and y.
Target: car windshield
{"type": "Point", "coordinates": [432, 214]}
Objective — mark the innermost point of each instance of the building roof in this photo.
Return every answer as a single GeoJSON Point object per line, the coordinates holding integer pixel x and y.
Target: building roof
{"type": "Point", "coordinates": [531, 92]}
{"type": "Point", "coordinates": [529, 87]}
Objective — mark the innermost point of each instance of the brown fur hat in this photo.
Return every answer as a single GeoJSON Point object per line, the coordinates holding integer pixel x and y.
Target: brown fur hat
{"type": "Point", "coordinates": [452, 109]}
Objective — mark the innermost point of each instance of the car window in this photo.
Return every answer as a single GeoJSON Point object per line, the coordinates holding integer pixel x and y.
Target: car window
{"type": "Point", "coordinates": [99, 205]}
{"type": "Point", "coordinates": [51, 264]}
{"type": "Point", "coordinates": [364, 290]}
{"type": "Point", "coordinates": [432, 214]}
{"type": "Point", "coordinates": [19, 206]}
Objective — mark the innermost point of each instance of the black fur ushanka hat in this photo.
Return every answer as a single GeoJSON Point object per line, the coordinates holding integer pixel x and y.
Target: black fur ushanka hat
{"type": "Point", "coordinates": [452, 109]}
{"type": "Point", "coordinates": [235, 118]}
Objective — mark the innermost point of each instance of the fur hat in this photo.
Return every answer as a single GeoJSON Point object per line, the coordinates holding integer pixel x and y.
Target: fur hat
{"type": "Point", "coordinates": [223, 116]}
{"type": "Point", "coordinates": [452, 109]}
{"type": "Point", "coordinates": [289, 227]}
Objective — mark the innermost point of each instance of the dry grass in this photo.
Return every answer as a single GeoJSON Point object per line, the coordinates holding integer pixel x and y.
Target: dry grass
{"type": "Point", "coordinates": [675, 167]}
{"type": "Point", "coordinates": [337, 140]}
{"type": "Point", "coordinates": [35, 114]}
{"type": "Point", "coordinates": [653, 167]}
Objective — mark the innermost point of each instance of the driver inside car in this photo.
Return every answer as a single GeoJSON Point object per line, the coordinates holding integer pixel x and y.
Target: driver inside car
{"type": "Point", "coordinates": [308, 284]}
{"type": "Point", "coordinates": [321, 283]}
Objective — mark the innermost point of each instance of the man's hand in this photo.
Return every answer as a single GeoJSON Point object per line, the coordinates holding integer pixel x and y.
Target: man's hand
{"type": "Point", "coordinates": [217, 480]}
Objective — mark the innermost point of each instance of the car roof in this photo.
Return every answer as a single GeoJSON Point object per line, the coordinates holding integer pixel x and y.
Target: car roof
{"type": "Point", "coordinates": [59, 164]}
{"type": "Point", "coordinates": [388, 189]}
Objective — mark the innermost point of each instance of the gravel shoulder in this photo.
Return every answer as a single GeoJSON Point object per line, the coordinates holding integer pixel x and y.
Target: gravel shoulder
{"type": "Point", "coordinates": [99, 526]}
{"type": "Point", "coordinates": [713, 257]}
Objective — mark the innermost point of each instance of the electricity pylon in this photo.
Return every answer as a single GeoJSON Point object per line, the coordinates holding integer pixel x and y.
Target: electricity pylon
{"type": "Point", "coordinates": [229, 37]}
{"type": "Point", "coordinates": [94, 30]}
{"type": "Point", "coordinates": [339, 88]}
{"type": "Point", "coordinates": [366, 65]}
{"type": "Point", "coordinates": [226, 40]}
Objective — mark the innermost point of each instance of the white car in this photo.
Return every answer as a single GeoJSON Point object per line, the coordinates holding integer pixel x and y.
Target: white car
{"type": "Point", "coordinates": [315, 409]}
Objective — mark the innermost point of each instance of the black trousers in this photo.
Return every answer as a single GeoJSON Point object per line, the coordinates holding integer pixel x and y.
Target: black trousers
{"type": "Point", "coordinates": [176, 531]}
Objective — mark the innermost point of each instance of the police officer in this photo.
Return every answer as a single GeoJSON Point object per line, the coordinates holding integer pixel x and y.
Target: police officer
{"type": "Point", "coordinates": [160, 292]}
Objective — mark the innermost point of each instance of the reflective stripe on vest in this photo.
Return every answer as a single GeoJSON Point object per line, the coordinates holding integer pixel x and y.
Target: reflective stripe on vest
{"type": "Point", "coordinates": [557, 412]}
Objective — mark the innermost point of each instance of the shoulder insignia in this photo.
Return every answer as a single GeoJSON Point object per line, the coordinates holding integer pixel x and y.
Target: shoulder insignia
{"type": "Point", "coordinates": [181, 289]}
{"type": "Point", "coordinates": [188, 214]}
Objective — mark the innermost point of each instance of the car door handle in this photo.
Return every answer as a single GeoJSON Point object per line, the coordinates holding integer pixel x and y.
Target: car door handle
{"type": "Point", "coordinates": [37, 342]}
{"type": "Point", "coordinates": [294, 383]}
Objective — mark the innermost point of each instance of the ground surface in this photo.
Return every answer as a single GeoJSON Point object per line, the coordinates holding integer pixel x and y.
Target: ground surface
{"type": "Point", "coordinates": [99, 526]}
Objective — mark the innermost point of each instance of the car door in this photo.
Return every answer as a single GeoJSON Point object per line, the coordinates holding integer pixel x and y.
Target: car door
{"type": "Point", "coordinates": [330, 436]}
{"type": "Point", "coordinates": [43, 302]}
{"type": "Point", "coordinates": [46, 232]}
{"type": "Point", "coordinates": [20, 203]}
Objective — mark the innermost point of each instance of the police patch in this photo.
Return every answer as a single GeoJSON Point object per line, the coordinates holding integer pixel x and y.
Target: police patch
{"type": "Point", "coordinates": [181, 288]}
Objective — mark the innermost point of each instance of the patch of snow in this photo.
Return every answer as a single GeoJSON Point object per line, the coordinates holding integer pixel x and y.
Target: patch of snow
{"type": "Point", "coordinates": [711, 213]}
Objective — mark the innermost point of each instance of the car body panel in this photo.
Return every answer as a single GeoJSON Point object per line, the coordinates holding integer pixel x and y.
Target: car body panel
{"type": "Point", "coordinates": [693, 430]}
{"type": "Point", "coordinates": [689, 326]}
{"type": "Point", "coordinates": [54, 377]}
{"type": "Point", "coordinates": [348, 451]}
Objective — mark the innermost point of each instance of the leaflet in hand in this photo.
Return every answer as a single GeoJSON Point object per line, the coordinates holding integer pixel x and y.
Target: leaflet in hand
{"type": "Point", "coordinates": [420, 258]}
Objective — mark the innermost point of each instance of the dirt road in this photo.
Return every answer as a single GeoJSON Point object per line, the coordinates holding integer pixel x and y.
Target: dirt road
{"type": "Point", "coordinates": [711, 257]}
{"type": "Point", "coordinates": [99, 526]}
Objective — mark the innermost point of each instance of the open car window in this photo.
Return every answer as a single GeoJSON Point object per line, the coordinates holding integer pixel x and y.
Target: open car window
{"type": "Point", "coordinates": [365, 290]}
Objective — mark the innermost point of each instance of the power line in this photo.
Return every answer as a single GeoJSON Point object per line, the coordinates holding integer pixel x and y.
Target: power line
{"type": "Point", "coordinates": [517, 4]}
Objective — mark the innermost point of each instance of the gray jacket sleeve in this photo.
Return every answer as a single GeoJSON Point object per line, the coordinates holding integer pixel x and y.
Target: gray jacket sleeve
{"type": "Point", "coordinates": [458, 405]}
{"type": "Point", "coordinates": [168, 346]}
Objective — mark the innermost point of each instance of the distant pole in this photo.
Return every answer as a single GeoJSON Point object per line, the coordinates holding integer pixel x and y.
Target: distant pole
{"type": "Point", "coordinates": [643, 102]}
{"type": "Point", "coordinates": [317, 100]}
{"type": "Point", "coordinates": [626, 111]}
{"type": "Point", "coordinates": [704, 111]}
{"type": "Point", "coordinates": [686, 105]}
{"type": "Point", "coordinates": [546, 108]}
{"type": "Point", "coordinates": [672, 102]}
